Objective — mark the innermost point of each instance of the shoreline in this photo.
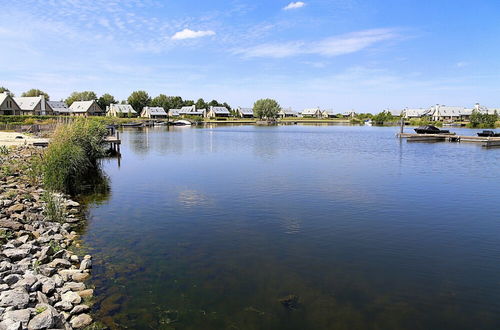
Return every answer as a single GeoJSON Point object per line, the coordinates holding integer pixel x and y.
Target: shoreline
{"type": "Point", "coordinates": [41, 278]}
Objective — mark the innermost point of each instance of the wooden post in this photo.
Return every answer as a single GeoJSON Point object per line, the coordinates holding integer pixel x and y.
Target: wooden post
{"type": "Point", "coordinates": [401, 129]}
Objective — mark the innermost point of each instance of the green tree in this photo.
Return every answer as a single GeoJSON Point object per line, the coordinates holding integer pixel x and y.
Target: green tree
{"type": "Point", "coordinates": [6, 90]}
{"type": "Point", "coordinates": [384, 116]}
{"type": "Point", "coordinates": [35, 92]}
{"type": "Point", "coordinates": [482, 120]}
{"type": "Point", "coordinates": [161, 100]}
{"type": "Point", "coordinates": [226, 106]}
{"type": "Point", "coordinates": [187, 103]}
{"type": "Point", "coordinates": [81, 96]}
{"type": "Point", "coordinates": [139, 100]}
{"type": "Point", "coordinates": [266, 108]}
{"type": "Point", "coordinates": [213, 103]}
{"type": "Point", "coordinates": [176, 102]}
{"type": "Point", "coordinates": [105, 100]}
{"type": "Point", "coordinates": [201, 104]}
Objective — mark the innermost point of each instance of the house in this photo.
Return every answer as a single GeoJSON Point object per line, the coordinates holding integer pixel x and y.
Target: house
{"type": "Point", "coordinates": [8, 106]}
{"type": "Point", "coordinates": [349, 114]}
{"type": "Point", "coordinates": [287, 112]}
{"type": "Point", "coordinates": [450, 113]}
{"type": "Point", "coordinates": [59, 107]}
{"type": "Point", "coordinates": [120, 110]}
{"type": "Point", "coordinates": [85, 108]}
{"type": "Point", "coordinates": [36, 105]}
{"type": "Point", "coordinates": [153, 112]}
{"type": "Point", "coordinates": [395, 112]}
{"type": "Point", "coordinates": [328, 114]}
{"type": "Point", "coordinates": [312, 113]}
{"type": "Point", "coordinates": [174, 112]}
{"type": "Point", "coordinates": [410, 113]}
{"type": "Point", "coordinates": [191, 111]}
{"type": "Point", "coordinates": [485, 110]}
{"type": "Point", "coordinates": [217, 112]}
{"type": "Point", "coordinates": [244, 112]}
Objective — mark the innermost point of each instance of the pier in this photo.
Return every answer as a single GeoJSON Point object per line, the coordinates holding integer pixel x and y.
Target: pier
{"type": "Point", "coordinates": [487, 142]}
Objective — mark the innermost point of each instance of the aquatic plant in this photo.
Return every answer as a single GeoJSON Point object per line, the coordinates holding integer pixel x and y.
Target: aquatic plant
{"type": "Point", "coordinates": [54, 207]}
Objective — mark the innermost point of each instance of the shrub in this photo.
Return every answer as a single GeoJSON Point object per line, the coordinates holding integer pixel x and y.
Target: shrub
{"type": "Point", "coordinates": [482, 120]}
{"type": "Point", "coordinates": [54, 207]}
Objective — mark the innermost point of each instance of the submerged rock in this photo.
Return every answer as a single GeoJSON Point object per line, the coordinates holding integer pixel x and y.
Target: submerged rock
{"type": "Point", "coordinates": [80, 321]}
{"type": "Point", "coordinates": [290, 302]}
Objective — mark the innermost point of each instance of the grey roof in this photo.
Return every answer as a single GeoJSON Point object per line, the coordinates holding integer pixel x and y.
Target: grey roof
{"type": "Point", "coordinates": [174, 112]}
{"type": "Point", "coordinates": [3, 97]}
{"type": "Point", "coordinates": [27, 103]}
{"type": "Point", "coordinates": [219, 110]}
{"type": "Point", "coordinates": [348, 113]}
{"type": "Point", "coordinates": [417, 112]}
{"type": "Point", "coordinates": [59, 106]}
{"type": "Point", "coordinates": [311, 111]}
{"type": "Point", "coordinates": [81, 106]}
{"type": "Point", "coordinates": [328, 112]}
{"type": "Point", "coordinates": [395, 112]}
{"type": "Point", "coordinates": [122, 108]}
{"type": "Point", "coordinates": [287, 111]}
{"type": "Point", "coordinates": [159, 111]}
{"type": "Point", "coordinates": [245, 111]}
{"type": "Point", "coordinates": [449, 111]}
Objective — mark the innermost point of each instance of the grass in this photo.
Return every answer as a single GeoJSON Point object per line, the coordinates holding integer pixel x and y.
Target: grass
{"type": "Point", "coordinates": [54, 207]}
{"type": "Point", "coordinates": [73, 153]}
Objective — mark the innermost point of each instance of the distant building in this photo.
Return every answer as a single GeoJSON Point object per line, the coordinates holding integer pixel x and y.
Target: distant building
{"type": "Point", "coordinates": [174, 112]}
{"type": "Point", "coordinates": [59, 107]}
{"type": "Point", "coordinates": [85, 109]}
{"type": "Point", "coordinates": [312, 113]}
{"type": "Point", "coordinates": [120, 110]}
{"type": "Point", "coordinates": [191, 111]}
{"type": "Point", "coordinates": [328, 114]}
{"type": "Point", "coordinates": [349, 114]}
{"type": "Point", "coordinates": [36, 105]}
{"type": "Point", "coordinates": [153, 113]}
{"type": "Point", "coordinates": [410, 113]}
{"type": "Point", "coordinates": [395, 112]}
{"type": "Point", "coordinates": [8, 106]}
{"type": "Point", "coordinates": [287, 112]}
{"type": "Point", "coordinates": [245, 112]}
{"type": "Point", "coordinates": [450, 113]}
{"type": "Point", "coordinates": [214, 112]}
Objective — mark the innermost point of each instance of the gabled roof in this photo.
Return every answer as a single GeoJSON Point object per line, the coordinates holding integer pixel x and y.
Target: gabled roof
{"type": "Point", "coordinates": [417, 112]}
{"type": "Point", "coordinates": [449, 111]}
{"type": "Point", "coordinates": [311, 111]}
{"type": "Point", "coordinates": [27, 103]}
{"type": "Point", "coordinates": [159, 111]}
{"type": "Point", "coordinates": [219, 110]}
{"type": "Point", "coordinates": [189, 108]}
{"type": "Point", "coordinates": [395, 112]}
{"type": "Point", "coordinates": [246, 111]}
{"type": "Point", "coordinates": [328, 112]}
{"type": "Point", "coordinates": [81, 106]}
{"type": "Point", "coordinates": [122, 108]}
{"type": "Point", "coordinates": [59, 106]}
{"type": "Point", "coordinates": [3, 97]}
{"type": "Point", "coordinates": [287, 111]}
{"type": "Point", "coordinates": [174, 112]}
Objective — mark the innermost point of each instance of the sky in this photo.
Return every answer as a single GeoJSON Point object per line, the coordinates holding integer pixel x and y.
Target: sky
{"type": "Point", "coordinates": [366, 55]}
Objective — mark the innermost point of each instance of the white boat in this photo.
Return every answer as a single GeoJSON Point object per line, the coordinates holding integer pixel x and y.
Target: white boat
{"type": "Point", "coordinates": [368, 122]}
{"type": "Point", "coordinates": [182, 122]}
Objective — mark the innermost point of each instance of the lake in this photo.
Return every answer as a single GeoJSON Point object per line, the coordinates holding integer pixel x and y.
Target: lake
{"type": "Point", "coordinates": [211, 228]}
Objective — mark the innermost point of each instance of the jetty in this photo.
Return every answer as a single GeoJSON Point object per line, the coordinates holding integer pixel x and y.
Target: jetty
{"type": "Point", "coordinates": [487, 142]}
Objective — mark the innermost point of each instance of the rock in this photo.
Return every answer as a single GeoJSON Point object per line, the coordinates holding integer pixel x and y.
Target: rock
{"type": "Point", "coordinates": [4, 287]}
{"type": "Point", "coordinates": [58, 280]}
{"type": "Point", "coordinates": [86, 264]}
{"type": "Point", "coordinates": [71, 297]}
{"type": "Point", "coordinates": [79, 309]}
{"type": "Point", "coordinates": [15, 254]}
{"type": "Point", "coordinates": [45, 319]}
{"type": "Point", "coordinates": [10, 325]}
{"type": "Point", "coordinates": [41, 298]}
{"type": "Point", "coordinates": [80, 277]}
{"type": "Point", "coordinates": [46, 270]}
{"type": "Point", "coordinates": [17, 208]}
{"type": "Point", "coordinates": [45, 254]}
{"type": "Point", "coordinates": [22, 315]}
{"type": "Point", "coordinates": [80, 321]}
{"type": "Point", "coordinates": [59, 263]}
{"type": "Point", "coordinates": [72, 204]}
{"type": "Point", "coordinates": [73, 286]}
{"type": "Point", "coordinates": [17, 297]}
{"type": "Point", "coordinates": [64, 305]}
{"type": "Point", "coordinates": [67, 274]}
{"type": "Point", "coordinates": [74, 258]}
{"type": "Point", "coordinates": [4, 265]}
{"type": "Point", "coordinates": [48, 284]}
{"type": "Point", "coordinates": [14, 225]}
{"type": "Point", "coordinates": [12, 279]}
{"type": "Point", "coordinates": [290, 302]}
{"type": "Point", "coordinates": [86, 293]}
{"type": "Point", "coordinates": [27, 282]}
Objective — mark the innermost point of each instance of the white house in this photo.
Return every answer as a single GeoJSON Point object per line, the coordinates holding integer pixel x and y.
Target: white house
{"type": "Point", "coordinates": [416, 112]}
{"type": "Point", "coordinates": [36, 105]}
{"type": "Point", "coordinates": [450, 113]}
{"type": "Point", "coordinates": [217, 112]}
{"type": "Point", "coordinates": [8, 106]}
{"type": "Point", "coordinates": [245, 112]}
{"type": "Point", "coordinates": [191, 111]}
{"type": "Point", "coordinates": [120, 110]}
{"type": "Point", "coordinates": [85, 108]}
{"type": "Point", "coordinates": [287, 112]}
{"type": "Point", "coordinates": [153, 112]}
{"type": "Point", "coordinates": [59, 108]}
{"type": "Point", "coordinates": [329, 113]}
{"type": "Point", "coordinates": [312, 113]}
{"type": "Point", "coordinates": [174, 112]}
{"type": "Point", "coordinates": [349, 114]}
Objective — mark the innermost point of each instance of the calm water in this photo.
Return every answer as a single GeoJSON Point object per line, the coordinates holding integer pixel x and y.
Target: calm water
{"type": "Point", "coordinates": [207, 228]}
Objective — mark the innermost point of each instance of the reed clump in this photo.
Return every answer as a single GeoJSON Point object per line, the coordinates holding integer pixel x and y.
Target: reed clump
{"type": "Point", "coordinates": [72, 154]}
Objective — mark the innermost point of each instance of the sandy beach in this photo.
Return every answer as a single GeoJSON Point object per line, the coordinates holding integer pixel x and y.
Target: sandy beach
{"type": "Point", "coordinates": [15, 139]}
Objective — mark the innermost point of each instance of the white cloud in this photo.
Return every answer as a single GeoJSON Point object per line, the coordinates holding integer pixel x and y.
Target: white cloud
{"type": "Point", "coordinates": [294, 5]}
{"type": "Point", "coordinates": [334, 46]}
{"type": "Point", "coordinates": [190, 34]}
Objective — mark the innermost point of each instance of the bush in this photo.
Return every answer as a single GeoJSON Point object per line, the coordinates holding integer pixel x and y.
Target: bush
{"type": "Point", "coordinates": [72, 153]}
{"type": "Point", "coordinates": [54, 207]}
{"type": "Point", "coordinates": [482, 120]}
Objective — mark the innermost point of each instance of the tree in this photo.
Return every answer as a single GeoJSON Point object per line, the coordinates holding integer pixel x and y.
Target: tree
{"type": "Point", "coordinates": [213, 103]}
{"type": "Point", "coordinates": [201, 104]}
{"type": "Point", "coordinates": [187, 103]}
{"type": "Point", "coordinates": [384, 116]}
{"type": "Point", "coordinates": [105, 100]}
{"type": "Point", "coordinates": [226, 106]}
{"type": "Point", "coordinates": [483, 120]}
{"type": "Point", "coordinates": [176, 102]}
{"type": "Point", "coordinates": [139, 100]}
{"type": "Point", "coordinates": [81, 96]}
{"type": "Point", "coordinates": [161, 100]}
{"type": "Point", "coordinates": [6, 90]}
{"type": "Point", "coordinates": [35, 92]}
{"type": "Point", "coordinates": [266, 108]}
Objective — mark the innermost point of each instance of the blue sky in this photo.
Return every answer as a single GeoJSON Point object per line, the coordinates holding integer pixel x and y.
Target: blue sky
{"type": "Point", "coordinates": [342, 54]}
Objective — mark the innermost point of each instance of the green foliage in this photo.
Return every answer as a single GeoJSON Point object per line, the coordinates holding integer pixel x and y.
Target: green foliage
{"type": "Point", "coordinates": [482, 120]}
{"type": "Point", "coordinates": [5, 236]}
{"type": "Point", "coordinates": [4, 151]}
{"type": "Point", "coordinates": [187, 103]}
{"type": "Point", "coordinates": [6, 90]}
{"type": "Point", "coordinates": [161, 100]}
{"type": "Point", "coordinates": [56, 247]}
{"type": "Point", "coordinates": [40, 309]}
{"type": "Point", "coordinates": [384, 116]}
{"type": "Point", "coordinates": [81, 96]}
{"type": "Point", "coordinates": [139, 100]}
{"type": "Point", "coordinates": [266, 108]}
{"type": "Point", "coordinates": [105, 100]}
{"type": "Point", "coordinates": [201, 104]}
{"type": "Point", "coordinates": [35, 92]}
{"type": "Point", "coordinates": [54, 207]}
{"type": "Point", "coordinates": [72, 153]}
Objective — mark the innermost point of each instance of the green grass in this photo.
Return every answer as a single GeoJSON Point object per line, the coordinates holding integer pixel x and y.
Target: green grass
{"type": "Point", "coordinates": [54, 207]}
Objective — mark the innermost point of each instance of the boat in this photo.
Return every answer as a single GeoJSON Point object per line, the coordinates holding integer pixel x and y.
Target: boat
{"type": "Point", "coordinates": [430, 129]}
{"type": "Point", "coordinates": [132, 125]}
{"type": "Point", "coordinates": [182, 122]}
{"type": "Point", "coordinates": [488, 133]}
{"type": "Point", "coordinates": [368, 122]}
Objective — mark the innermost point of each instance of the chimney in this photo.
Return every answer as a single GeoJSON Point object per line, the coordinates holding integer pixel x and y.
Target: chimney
{"type": "Point", "coordinates": [42, 105]}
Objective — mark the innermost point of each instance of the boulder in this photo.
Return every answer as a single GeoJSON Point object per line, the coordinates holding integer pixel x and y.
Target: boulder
{"type": "Point", "coordinates": [73, 286]}
{"type": "Point", "coordinates": [46, 319]}
{"type": "Point", "coordinates": [17, 297]}
{"type": "Point", "coordinates": [10, 325]}
{"type": "Point", "coordinates": [86, 293]}
{"type": "Point", "coordinates": [71, 297]}
{"type": "Point", "coordinates": [80, 321]}
{"type": "Point", "coordinates": [22, 315]}
{"type": "Point", "coordinates": [79, 309]}
{"type": "Point", "coordinates": [80, 277]}
{"type": "Point", "coordinates": [16, 208]}
{"type": "Point", "coordinates": [86, 264]}
{"type": "Point", "coordinates": [64, 305]}
{"type": "Point", "coordinates": [15, 254]}
{"type": "Point", "coordinates": [59, 263]}
{"type": "Point", "coordinates": [14, 225]}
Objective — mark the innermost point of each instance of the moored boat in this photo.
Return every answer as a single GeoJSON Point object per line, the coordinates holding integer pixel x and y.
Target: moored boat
{"type": "Point", "coordinates": [132, 125]}
{"type": "Point", "coordinates": [488, 133]}
{"type": "Point", "coordinates": [430, 129]}
{"type": "Point", "coordinates": [182, 122]}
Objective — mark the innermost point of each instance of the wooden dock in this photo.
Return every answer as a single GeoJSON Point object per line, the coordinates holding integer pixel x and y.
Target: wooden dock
{"type": "Point", "coordinates": [486, 142]}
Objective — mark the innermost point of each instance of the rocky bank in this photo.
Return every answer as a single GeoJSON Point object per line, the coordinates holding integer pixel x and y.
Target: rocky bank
{"type": "Point", "coordinates": [41, 280]}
